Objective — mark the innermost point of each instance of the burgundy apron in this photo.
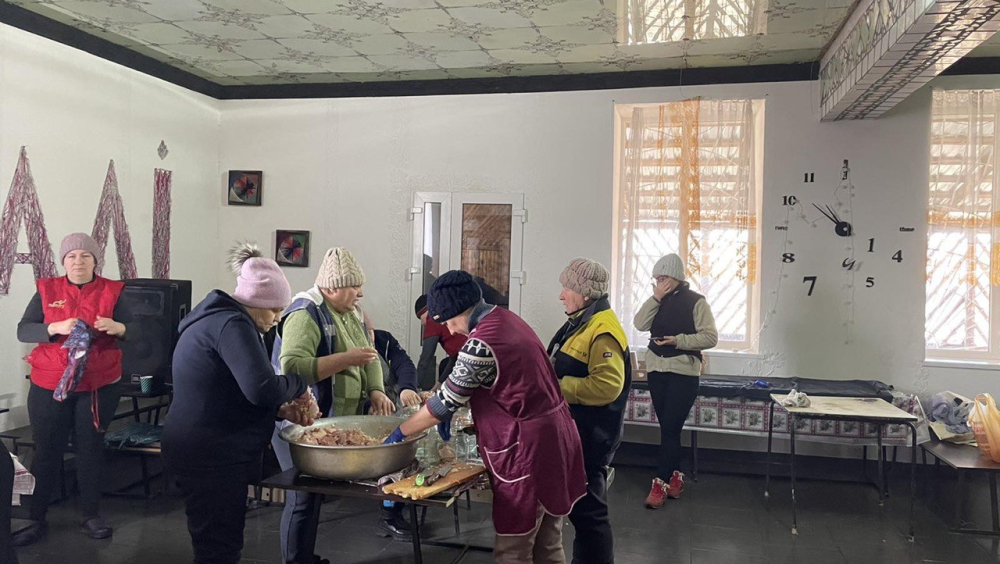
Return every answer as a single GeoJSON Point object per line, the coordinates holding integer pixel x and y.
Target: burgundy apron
{"type": "Point", "coordinates": [526, 434]}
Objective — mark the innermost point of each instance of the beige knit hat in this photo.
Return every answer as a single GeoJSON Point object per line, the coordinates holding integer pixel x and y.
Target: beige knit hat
{"type": "Point", "coordinates": [339, 270]}
{"type": "Point", "coordinates": [586, 277]}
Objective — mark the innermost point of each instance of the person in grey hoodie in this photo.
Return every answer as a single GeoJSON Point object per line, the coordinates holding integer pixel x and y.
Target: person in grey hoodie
{"type": "Point", "coordinates": [226, 399]}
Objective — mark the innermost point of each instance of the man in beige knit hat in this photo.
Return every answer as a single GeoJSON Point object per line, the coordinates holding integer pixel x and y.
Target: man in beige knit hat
{"type": "Point", "coordinates": [322, 337]}
{"type": "Point", "coordinates": [591, 358]}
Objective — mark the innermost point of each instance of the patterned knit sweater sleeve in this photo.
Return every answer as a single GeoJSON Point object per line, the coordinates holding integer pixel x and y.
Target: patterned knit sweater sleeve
{"type": "Point", "coordinates": [476, 366]}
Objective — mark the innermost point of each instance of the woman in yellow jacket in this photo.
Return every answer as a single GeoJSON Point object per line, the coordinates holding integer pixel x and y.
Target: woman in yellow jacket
{"type": "Point", "coordinates": [591, 358]}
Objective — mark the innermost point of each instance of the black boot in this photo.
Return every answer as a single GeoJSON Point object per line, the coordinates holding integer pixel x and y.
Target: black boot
{"type": "Point", "coordinates": [30, 534]}
{"type": "Point", "coordinates": [96, 528]}
{"type": "Point", "coordinates": [392, 524]}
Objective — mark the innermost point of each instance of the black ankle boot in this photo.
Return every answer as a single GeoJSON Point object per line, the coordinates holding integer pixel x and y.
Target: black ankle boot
{"type": "Point", "coordinates": [392, 524]}
{"type": "Point", "coordinates": [30, 534]}
{"type": "Point", "coordinates": [96, 528]}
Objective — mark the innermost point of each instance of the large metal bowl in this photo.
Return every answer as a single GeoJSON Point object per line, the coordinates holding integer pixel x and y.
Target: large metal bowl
{"type": "Point", "coordinates": [351, 462]}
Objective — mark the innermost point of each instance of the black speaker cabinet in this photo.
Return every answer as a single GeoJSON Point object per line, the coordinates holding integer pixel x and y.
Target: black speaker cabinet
{"type": "Point", "coordinates": [157, 308]}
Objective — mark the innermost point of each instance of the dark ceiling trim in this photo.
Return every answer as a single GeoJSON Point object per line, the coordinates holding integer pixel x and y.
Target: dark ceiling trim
{"type": "Point", "coordinates": [29, 21]}
{"type": "Point", "coordinates": [517, 84]}
{"type": "Point", "coordinates": [974, 65]}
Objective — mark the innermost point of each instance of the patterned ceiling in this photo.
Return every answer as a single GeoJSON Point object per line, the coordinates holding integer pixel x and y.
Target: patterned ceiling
{"type": "Point", "coordinates": [240, 42]}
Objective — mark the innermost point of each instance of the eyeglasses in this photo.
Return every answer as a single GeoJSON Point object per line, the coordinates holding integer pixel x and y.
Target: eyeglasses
{"type": "Point", "coordinates": [659, 279]}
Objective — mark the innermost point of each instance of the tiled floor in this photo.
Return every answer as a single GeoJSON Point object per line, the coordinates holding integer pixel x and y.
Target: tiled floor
{"type": "Point", "coordinates": [721, 519]}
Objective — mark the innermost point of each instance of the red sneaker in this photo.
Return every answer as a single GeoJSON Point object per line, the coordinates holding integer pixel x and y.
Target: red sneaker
{"type": "Point", "coordinates": [657, 494]}
{"type": "Point", "coordinates": [676, 485]}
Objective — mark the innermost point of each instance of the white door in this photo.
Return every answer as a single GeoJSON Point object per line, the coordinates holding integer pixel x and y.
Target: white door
{"type": "Point", "coordinates": [482, 234]}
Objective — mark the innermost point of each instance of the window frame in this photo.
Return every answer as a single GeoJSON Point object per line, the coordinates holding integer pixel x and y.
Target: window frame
{"type": "Point", "coordinates": [750, 344]}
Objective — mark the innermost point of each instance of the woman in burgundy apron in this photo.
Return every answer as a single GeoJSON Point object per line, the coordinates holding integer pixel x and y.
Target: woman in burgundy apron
{"type": "Point", "coordinates": [526, 434]}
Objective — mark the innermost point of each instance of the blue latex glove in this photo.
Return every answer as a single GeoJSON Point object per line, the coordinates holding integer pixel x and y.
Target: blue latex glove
{"type": "Point", "coordinates": [396, 436]}
{"type": "Point", "coordinates": [444, 429]}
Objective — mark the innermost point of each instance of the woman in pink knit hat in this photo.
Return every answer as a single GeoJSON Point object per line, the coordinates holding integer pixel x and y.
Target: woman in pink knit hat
{"type": "Point", "coordinates": [226, 398]}
{"type": "Point", "coordinates": [75, 398]}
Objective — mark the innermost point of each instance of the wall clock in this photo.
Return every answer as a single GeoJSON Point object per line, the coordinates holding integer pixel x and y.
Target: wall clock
{"type": "Point", "coordinates": [834, 218]}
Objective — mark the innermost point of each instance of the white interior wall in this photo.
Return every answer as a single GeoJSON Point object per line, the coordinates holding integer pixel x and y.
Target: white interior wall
{"type": "Point", "coordinates": [346, 170]}
{"type": "Point", "coordinates": [75, 112]}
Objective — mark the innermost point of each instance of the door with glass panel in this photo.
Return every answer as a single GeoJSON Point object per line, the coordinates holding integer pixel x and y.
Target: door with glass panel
{"type": "Point", "coordinates": [479, 233]}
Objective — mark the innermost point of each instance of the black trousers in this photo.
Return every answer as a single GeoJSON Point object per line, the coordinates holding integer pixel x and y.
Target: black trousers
{"type": "Point", "coordinates": [7, 555]}
{"type": "Point", "coordinates": [672, 395]}
{"type": "Point", "coordinates": [593, 542]}
{"type": "Point", "coordinates": [215, 500]}
{"type": "Point", "coordinates": [52, 423]}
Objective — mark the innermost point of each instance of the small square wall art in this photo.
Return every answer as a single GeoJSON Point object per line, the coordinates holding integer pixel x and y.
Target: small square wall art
{"type": "Point", "coordinates": [291, 248]}
{"type": "Point", "coordinates": [245, 187]}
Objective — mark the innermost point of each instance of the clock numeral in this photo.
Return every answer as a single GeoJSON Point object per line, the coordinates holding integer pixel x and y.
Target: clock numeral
{"type": "Point", "coordinates": [789, 200]}
{"type": "Point", "coordinates": [810, 177]}
{"type": "Point", "coordinates": [898, 257]}
{"type": "Point", "coordinates": [870, 282]}
{"type": "Point", "coordinates": [849, 263]}
{"type": "Point", "coordinates": [787, 257]}
{"type": "Point", "coordinates": [812, 283]}
{"type": "Point", "coordinates": [871, 245]}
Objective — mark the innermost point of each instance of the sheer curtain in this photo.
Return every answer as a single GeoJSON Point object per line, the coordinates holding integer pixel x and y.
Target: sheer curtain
{"type": "Point", "coordinates": [662, 21]}
{"type": "Point", "coordinates": [687, 185]}
{"type": "Point", "coordinates": [963, 251]}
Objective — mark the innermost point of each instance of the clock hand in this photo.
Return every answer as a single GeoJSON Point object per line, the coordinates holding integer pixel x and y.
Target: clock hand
{"type": "Point", "coordinates": [836, 218]}
{"type": "Point", "coordinates": [828, 216]}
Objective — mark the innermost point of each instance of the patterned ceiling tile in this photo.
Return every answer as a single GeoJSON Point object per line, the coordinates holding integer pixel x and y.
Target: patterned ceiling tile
{"type": "Point", "coordinates": [159, 33]}
{"type": "Point", "coordinates": [578, 35]}
{"type": "Point", "coordinates": [225, 31]}
{"type": "Point", "coordinates": [490, 17]}
{"type": "Point", "coordinates": [175, 10]}
{"type": "Point", "coordinates": [566, 13]}
{"type": "Point", "coordinates": [101, 11]}
{"type": "Point", "coordinates": [584, 53]}
{"type": "Point", "coordinates": [292, 41]}
{"type": "Point", "coordinates": [220, 51]}
{"type": "Point", "coordinates": [414, 21]}
{"type": "Point", "coordinates": [508, 38]}
{"type": "Point", "coordinates": [240, 67]}
{"type": "Point", "coordinates": [402, 62]}
{"type": "Point", "coordinates": [383, 44]}
{"type": "Point", "coordinates": [442, 41]}
{"type": "Point", "coordinates": [522, 57]}
{"type": "Point", "coordinates": [462, 59]}
{"type": "Point", "coordinates": [281, 27]}
{"type": "Point", "coordinates": [260, 49]}
{"type": "Point", "coordinates": [349, 65]}
{"type": "Point", "coordinates": [325, 48]}
{"type": "Point", "coordinates": [347, 22]}
{"type": "Point", "coordinates": [268, 7]}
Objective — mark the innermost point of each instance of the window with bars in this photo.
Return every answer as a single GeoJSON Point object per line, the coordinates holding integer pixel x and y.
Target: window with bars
{"type": "Point", "coordinates": [664, 21]}
{"type": "Point", "coordinates": [688, 180]}
{"type": "Point", "coordinates": [963, 248]}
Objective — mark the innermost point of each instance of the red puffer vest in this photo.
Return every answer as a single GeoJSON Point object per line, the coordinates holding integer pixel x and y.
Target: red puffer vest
{"type": "Point", "coordinates": [62, 300]}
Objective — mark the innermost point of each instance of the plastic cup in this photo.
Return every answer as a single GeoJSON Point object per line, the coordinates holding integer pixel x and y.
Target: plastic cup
{"type": "Point", "coordinates": [146, 384]}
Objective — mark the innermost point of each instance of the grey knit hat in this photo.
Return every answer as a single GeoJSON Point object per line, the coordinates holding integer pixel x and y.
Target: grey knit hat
{"type": "Point", "coordinates": [586, 277]}
{"type": "Point", "coordinates": [670, 265]}
{"type": "Point", "coordinates": [339, 270]}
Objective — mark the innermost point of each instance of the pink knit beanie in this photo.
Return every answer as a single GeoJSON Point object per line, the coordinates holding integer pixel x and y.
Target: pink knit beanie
{"type": "Point", "coordinates": [79, 242]}
{"type": "Point", "coordinates": [261, 283]}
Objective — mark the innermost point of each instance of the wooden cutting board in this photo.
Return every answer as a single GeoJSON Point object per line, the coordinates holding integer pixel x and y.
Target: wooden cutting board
{"type": "Point", "coordinates": [460, 474]}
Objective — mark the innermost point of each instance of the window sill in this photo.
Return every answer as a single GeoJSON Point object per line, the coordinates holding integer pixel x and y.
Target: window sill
{"type": "Point", "coordinates": [961, 364]}
{"type": "Point", "coordinates": [714, 353]}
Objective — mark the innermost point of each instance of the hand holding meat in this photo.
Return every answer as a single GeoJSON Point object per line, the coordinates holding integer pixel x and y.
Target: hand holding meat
{"type": "Point", "coordinates": [302, 410]}
{"type": "Point", "coordinates": [409, 398]}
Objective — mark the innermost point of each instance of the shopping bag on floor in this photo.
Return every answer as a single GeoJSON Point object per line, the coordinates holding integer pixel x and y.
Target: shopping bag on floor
{"type": "Point", "coordinates": [985, 423]}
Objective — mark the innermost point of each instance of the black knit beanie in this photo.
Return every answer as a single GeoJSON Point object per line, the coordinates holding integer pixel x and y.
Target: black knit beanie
{"type": "Point", "coordinates": [421, 305]}
{"type": "Point", "coordinates": [451, 294]}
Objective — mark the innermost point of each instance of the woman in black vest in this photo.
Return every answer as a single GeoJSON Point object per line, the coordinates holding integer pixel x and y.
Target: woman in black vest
{"type": "Point", "coordinates": [681, 326]}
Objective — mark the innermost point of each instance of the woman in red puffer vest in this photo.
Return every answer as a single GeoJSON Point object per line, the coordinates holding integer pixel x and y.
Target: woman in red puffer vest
{"type": "Point", "coordinates": [86, 409]}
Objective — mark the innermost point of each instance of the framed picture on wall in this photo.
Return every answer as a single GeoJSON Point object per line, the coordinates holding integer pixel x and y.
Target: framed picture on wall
{"type": "Point", "coordinates": [291, 248]}
{"type": "Point", "coordinates": [245, 187]}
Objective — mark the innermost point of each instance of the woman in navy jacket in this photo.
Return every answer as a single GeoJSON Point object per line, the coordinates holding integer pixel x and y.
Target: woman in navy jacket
{"type": "Point", "coordinates": [226, 398]}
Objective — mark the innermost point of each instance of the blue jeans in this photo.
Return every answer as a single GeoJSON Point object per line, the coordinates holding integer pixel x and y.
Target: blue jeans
{"type": "Point", "coordinates": [298, 529]}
